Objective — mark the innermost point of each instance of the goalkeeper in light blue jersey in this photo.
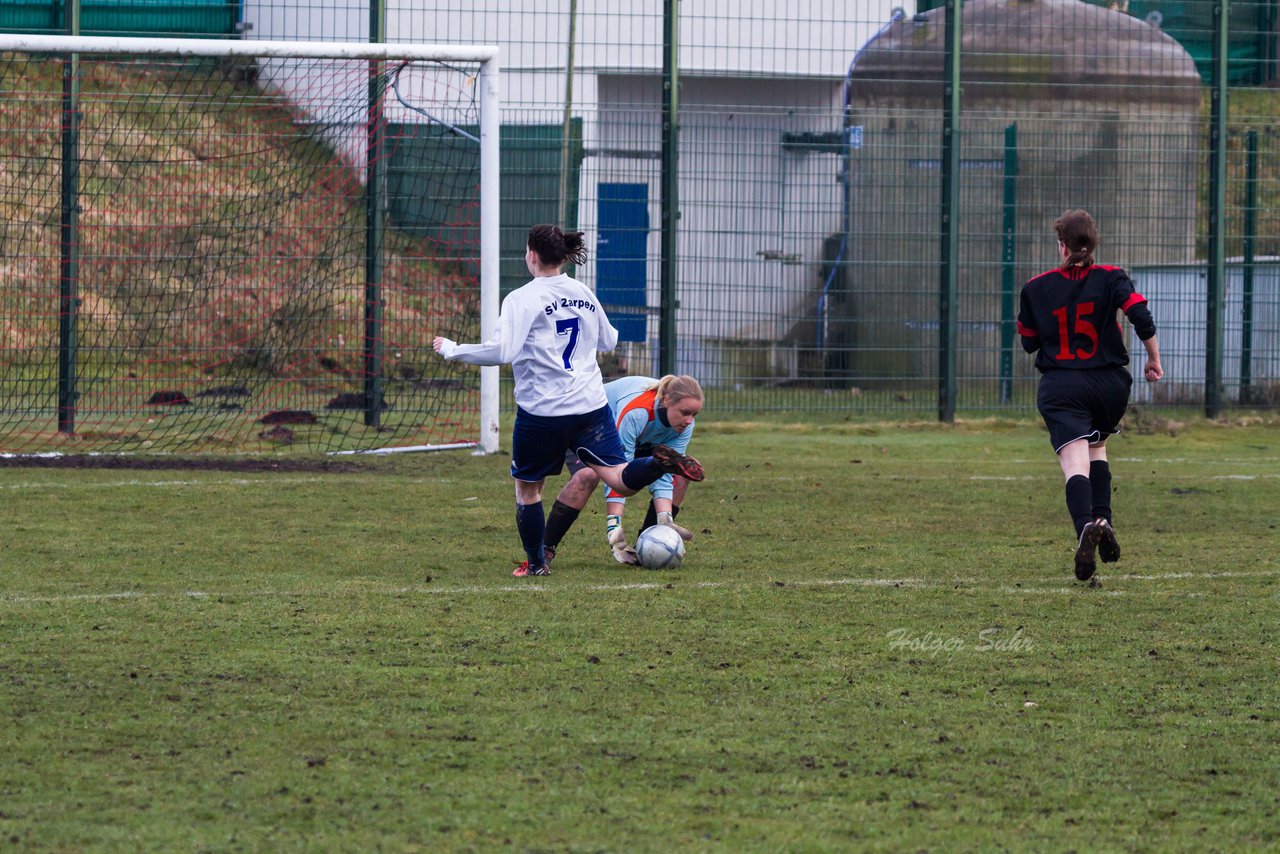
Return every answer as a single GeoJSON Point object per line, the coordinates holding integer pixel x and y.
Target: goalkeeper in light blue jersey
{"type": "Point", "coordinates": [648, 412]}
{"type": "Point", "coordinates": [549, 331]}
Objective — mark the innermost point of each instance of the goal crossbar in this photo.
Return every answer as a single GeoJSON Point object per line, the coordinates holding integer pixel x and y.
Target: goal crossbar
{"type": "Point", "coordinates": [484, 54]}
{"type": "Point", "coordinates": [489, 106]}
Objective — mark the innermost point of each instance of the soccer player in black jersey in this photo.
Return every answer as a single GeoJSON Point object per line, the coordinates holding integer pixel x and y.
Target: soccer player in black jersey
{"type": "Point", "coordinates": [1068, 319]}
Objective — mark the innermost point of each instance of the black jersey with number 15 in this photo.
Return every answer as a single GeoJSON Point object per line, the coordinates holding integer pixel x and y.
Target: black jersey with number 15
{"type": "Point", "coordinates": [1069, 316]}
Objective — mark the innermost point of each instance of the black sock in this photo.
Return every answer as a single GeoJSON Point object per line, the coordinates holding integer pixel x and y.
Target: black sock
{"type": "Point", "coordinates": [1080, 501]}
{"type": "Point", "coordinates": [559, 522]}
{"type": "Point", "coordinates": [1100, 479]}
{"type": "Point", "coordinates": [641, 472]}
{"type": "Point", "coordinates": [651, 518]}
{"type": "Point", "coordinates": [532, 525]}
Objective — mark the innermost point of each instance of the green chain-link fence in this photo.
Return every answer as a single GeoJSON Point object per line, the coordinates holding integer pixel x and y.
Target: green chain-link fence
{"type": "Point", "coordinates": [800, 253]}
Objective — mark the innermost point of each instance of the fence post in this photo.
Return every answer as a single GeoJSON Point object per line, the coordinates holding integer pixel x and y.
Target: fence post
{"type": "Point", "coordinates": [1246, 291]}
{"type": "Point", "coordinates": [1008, 254]}
{"type": "Point", "coordinates": [950, 216]}
{"type": "Point", "coordinates": [1217, 215]}
{"type": "Point", "coordinates": [567, 122]}
{"type": "Point", "coordinates": [670, 183]}
{"type": "Point", "coordinates": [69, 263]}
{"type": "Point", "coordinates": [375, 191]}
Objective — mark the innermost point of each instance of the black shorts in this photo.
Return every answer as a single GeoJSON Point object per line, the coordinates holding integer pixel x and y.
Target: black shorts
{"type": "Point", "coordinates": [1083, 404]}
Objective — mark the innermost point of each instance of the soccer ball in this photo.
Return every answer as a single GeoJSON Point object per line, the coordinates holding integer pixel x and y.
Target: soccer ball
{"type": "Point", "coordinates": [659, 547]}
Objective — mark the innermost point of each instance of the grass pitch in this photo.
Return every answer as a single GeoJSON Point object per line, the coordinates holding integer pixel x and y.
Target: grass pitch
{"type": "Point", "coordinates": [876, 643]}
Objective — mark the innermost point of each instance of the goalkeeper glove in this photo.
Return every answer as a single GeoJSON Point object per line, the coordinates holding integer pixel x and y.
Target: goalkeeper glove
{"type": "Point", "coordinates": [617, 538]}
{"type": "Point", "coordinates": [669, 520]}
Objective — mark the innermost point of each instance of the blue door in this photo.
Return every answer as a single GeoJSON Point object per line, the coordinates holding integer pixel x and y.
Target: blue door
{"type": "Point", "coordinates": [621, 245]}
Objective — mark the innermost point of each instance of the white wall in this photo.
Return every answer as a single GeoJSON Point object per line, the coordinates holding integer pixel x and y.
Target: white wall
{"type": "Point", "coordinates": [753, 216]}
{"type": "Point", "coordinates": [767, 37]}
{"type": "Point", "coordinates": [741, 194]}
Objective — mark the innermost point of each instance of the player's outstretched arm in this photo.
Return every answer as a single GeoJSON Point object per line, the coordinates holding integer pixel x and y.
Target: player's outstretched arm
{"type": "Point", "coordinates": [488, 353]}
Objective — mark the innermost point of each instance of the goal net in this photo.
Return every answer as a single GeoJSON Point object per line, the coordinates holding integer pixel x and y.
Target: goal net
{"type": "Point", "coordinates": [244, 246]}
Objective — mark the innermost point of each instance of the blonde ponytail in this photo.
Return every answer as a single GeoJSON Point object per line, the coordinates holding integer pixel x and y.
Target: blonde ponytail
{"type": "Point", "coordinates": [674, 388]}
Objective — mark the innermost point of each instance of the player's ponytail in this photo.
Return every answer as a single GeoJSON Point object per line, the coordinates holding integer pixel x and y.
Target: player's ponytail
{"type": "Point", "coordinates": [672, 389]}
{"type": "Point", "coordinates": [1079, 234]}
{"type": "Point", "coordinates": [554, 247]}
{"type": "Point", "coordinates": [575, 247]}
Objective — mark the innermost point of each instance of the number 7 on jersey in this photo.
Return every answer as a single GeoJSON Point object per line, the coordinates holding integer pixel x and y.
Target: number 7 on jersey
{"type": "Point", "coordinates": [568, 327]}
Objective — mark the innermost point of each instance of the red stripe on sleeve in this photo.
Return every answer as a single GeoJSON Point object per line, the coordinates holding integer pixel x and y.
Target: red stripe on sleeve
{"type": "Point", "coordinates": [1026, 332]}
{"type": "Point", "coordinates": [1136, 299]}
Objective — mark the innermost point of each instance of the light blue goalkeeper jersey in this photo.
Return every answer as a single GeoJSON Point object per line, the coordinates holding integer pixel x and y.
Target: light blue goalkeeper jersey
{"type": "Point", "coordinates": [631, 400]}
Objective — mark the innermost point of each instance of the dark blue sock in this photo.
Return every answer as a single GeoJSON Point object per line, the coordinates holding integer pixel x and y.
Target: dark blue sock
{"type": "Point", "coordinates": [641, 472]}
{"type": "Point", "coordinates": [531, 522]}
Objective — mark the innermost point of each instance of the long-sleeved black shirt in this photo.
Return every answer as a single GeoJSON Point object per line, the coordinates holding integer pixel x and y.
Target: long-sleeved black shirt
{"type": "Point", "coordinates": [1068, 317]}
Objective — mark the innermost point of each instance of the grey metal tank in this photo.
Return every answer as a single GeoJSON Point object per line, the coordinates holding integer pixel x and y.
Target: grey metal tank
{"type": "Point", "coordinates": [1105, 111]}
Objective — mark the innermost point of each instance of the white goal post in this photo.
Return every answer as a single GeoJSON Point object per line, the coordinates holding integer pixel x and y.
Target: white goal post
{"type": "Point", "coordinates": [487, 57]}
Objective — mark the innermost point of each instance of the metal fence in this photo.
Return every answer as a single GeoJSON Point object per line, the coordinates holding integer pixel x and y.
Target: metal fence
{"type": "Point", "coordinates": [793, 203]}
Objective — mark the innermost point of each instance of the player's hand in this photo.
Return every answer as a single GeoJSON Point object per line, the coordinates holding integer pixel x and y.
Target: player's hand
{"type": "Point", "coordinates": [622, 552]}
{"type": "Point", "coordinates": [443, 346]}
{"type": "Point", "coordinates": [1152, 372]}
{"type": "Point", "coordinates": [668, 520]}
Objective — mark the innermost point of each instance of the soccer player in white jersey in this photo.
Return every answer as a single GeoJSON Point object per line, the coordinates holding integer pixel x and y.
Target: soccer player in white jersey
{"type": "Point", "coordinates": [549, 331]}
{"type": "Point", "coordinates": [648, 412]}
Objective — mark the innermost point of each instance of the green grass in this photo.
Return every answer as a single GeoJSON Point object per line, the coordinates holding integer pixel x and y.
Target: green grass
{"type": "Point", "coordinates": [876, 643]}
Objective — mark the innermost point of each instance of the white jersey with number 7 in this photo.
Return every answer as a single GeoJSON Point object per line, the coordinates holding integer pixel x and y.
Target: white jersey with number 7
{"type": "Point", "coordinates": [549, 331]}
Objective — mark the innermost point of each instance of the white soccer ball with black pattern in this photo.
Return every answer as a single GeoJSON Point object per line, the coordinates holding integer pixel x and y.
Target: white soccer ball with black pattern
{"type": "Point", "coordinates": [659, 547]}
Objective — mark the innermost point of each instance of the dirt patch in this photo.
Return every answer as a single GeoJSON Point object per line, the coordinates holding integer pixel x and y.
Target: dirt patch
{"type": "Point", "coordinates": [110, 461]}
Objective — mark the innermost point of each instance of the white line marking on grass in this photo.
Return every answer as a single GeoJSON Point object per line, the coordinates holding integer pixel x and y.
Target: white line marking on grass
{"type": "Point", "coordinates": [79, 597]}
{"type": "Point", "coordinates": [1177, 477]}
{"type": "Point", "coordinates": [996, 460]}
{"type": "Point", "coordinates": [89, 485]}
{"type": "Point", "coordinates": [461, 589]}
{"type": "Point", "coordinates": [1066, 589]}
{"type": "Point", "coordinates": [817, 582]}
{"type": "Point", "coordinates": [662, 585]}
{"type": "Point", "coordinates": [1175, 576]}
{"type": "Point", "coordinates": [1008, 477]}
{"type": "Point", "coordinates": [916, 583]}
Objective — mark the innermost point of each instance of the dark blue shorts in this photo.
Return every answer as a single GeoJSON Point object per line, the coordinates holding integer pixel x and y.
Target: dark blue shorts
{"type": "Point", "coordinates": [1083, 404]}
{"type": "Point", "coordinates": [539, 442]}
{"type": "Point", "coordinates": [576, 465]}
